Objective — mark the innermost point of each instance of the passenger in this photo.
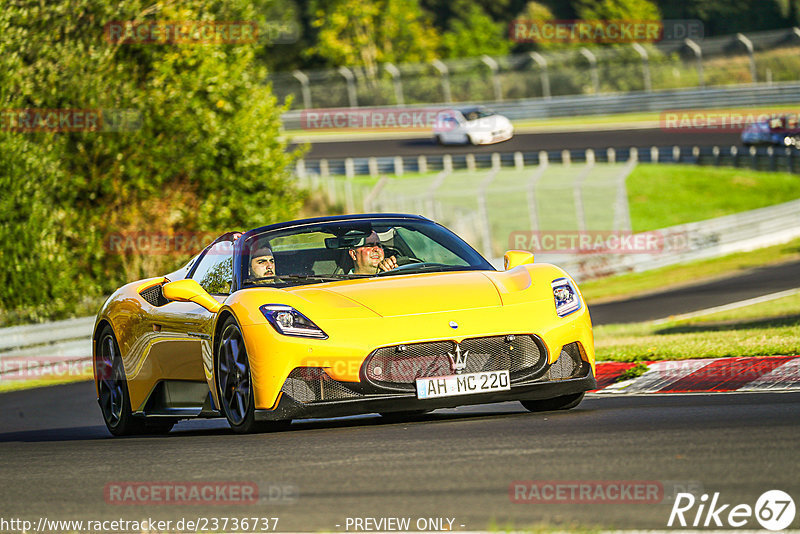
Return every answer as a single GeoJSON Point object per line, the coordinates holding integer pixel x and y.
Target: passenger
{"type": "Point", "coordinates": [368, 258]}
{"type": "Point", "coordinates": [262, 262]}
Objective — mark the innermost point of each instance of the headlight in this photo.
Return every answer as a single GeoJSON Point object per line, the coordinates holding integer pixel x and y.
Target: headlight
{"type": "Point", "coordinates": [290, 322]}
{"type": "Point", "coordinates": [565, 296]}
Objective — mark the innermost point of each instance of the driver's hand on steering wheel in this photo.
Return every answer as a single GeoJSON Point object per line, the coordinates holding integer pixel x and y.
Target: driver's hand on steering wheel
{"type": "Point", "coordinates": [388, 264]}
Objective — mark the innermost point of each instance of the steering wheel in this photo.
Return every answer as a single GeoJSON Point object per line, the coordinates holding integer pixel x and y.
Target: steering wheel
{"type": "Point", "coordinates": [406, 260]}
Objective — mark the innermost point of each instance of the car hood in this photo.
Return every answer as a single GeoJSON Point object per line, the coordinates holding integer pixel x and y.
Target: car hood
{"type": "Point", "coordinates": [414, 294]}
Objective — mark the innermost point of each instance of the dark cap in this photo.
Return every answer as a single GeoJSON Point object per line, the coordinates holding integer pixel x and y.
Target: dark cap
{"type": "Point", "coordinates": [259, 250]}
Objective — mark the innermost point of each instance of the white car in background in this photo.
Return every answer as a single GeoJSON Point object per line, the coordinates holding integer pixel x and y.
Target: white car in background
{"type": "Point", "coordinates": [474, 125]}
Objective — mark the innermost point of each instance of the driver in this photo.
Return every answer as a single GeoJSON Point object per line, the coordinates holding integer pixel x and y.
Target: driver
{"type": "Point", "coordinates": [369, 258]}
{"type": "Point", "coordinates": [262, 262]}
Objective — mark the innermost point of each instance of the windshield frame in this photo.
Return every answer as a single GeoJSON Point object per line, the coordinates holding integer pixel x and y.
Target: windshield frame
{"type": "Point", "coordinates": [241, 254]}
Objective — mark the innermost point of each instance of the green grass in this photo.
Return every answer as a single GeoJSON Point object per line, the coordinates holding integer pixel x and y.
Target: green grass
{"type": "Point", "coordinates": [628, 285]}
{"type": "Point", "coordinates": [665, 195]}
{"type": "Point", "coordinates": [17, 385]}
{"type": "Point", "coordinates": [764, 329]}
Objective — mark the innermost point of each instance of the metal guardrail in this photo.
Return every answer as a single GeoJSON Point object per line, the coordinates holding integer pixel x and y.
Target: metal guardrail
{"type": "Point", "coordinates": [760, 94]}
{"type": "Point", "coordinates": [758, 158]}
{"type": "Point", "coordinates": [738, 232]}
{"type": "Point", "coordinates": [46, 349]}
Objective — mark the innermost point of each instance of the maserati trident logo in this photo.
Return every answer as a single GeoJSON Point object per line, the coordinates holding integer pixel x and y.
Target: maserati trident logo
{"type": "Point", "coordinates": [458, 361]}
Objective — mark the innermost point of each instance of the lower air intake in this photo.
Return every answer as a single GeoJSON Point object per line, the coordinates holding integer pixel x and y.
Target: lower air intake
{"type": "Point", "coordinates": [568, 363]}
{"type": "Point", "coordinates": [308, 384]}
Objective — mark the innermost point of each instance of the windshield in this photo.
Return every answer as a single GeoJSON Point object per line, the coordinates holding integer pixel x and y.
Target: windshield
{"type": "Point", "coordinates": [323, 252]}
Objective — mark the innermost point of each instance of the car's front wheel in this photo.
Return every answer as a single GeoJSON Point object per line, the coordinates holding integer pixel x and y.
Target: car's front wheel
{"type": "Point", "coordinates": [234, 383]}
{"type": "Point", "coordinates": [112, 387]}
{"type": "Point", "coordinates": [565, 402]}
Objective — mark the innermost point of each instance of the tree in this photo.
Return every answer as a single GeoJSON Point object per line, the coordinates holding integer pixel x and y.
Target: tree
{"type": "Point", "coordinates": [203, 153]}
{"type": "Point", "coordinates": [367, 33]}
{"type": "Point", "coordinates": [471, 32]}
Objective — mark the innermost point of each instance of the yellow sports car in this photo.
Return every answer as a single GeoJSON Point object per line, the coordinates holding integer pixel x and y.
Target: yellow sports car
{"type": "Point", "coordinates": [391, 314]}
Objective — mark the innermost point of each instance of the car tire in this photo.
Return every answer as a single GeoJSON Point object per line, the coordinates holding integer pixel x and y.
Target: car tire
{"type": "Point", "coordinates": [234, 384]}
{"type": "Point", "coordinates": [113, 396]}
{"type": "Point", "coordinates": [565, 402]}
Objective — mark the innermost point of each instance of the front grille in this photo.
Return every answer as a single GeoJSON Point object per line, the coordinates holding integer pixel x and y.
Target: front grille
{"type": "Point", "coordinates": [154, 295]}
{"type": "Point", "coordinates": [568, 363]}
{"type": "Point", "coordinates": [308, 384]}
{"type": "Point", "coordinates": [397, 367]}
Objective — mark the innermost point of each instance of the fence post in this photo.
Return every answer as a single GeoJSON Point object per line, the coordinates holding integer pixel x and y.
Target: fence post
{"type": "Point", "coordinates": [715, 151]}
{"type": "Point", "coordinates": [372, 163]}
{"type": "Point", "coordinates": [578, 195]}
{"type": "Point", "coordinates": [483, 214]}
{"type": "Point", "coordinates": [447, 163]}
{"type": "Point", "coordinates": [398, 165]}
{"type": "Point", "coordinates": [519, 161]}
{"type": "Point", "coordinates": [351, 86]}
{"type": "Point", "coordinates": [754, 158]}
{"type": "Point", "coordinates": [566, 157]}
{"type": "Point", "coordinates": [748, 44]}
{"type": "Point", "coordinates": [301, 77]}
{"type": "Point", "coordinates": [496, 160]}
{"type": "Point", "coordinates": [470, 158]}
{"type": "Point", "coordinates": [735, 155]}
{"type": "Point", "coordinates": [592, 59]}
{"type": "Point", "coordinates": [300, 168]}
{"type": "Point", "coordinates": [531, 190]}
{"type": "Point", "coordinates": [676, 154]}
{"type": "Point", "coordinates": [422, 163]}
{"type": "Point", "coordinates": [492, 64]}
{"type": "Point", "coordinates": [542, 62]}
{"type": "Point", "coordinates": [397, 82]}
{"type": "Point", "coordinates": [445, 74]}
{"type": "Point", "coordinates": [611, 155]}
{"type": "Point", "coordinates": [654, 154]}
{"type": "Point", "coordinates": [698, 53]}
{"type": "Point", "coordinates": [648, 87]}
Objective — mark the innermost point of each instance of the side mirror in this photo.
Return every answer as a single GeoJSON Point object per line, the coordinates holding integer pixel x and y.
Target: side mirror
{"type": "Point", "coordinates": [189, 290]}
{"type": "Point", "coordinates": [515, 258]}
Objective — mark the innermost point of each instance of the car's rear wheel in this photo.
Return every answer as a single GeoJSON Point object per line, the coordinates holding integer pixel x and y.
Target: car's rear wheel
{"type": "Point", "coordinates": [234, 383]}
{"type": "Point", "coordinates": [113, 397]}
{"type": "Point", "coordinates": [565, 402]}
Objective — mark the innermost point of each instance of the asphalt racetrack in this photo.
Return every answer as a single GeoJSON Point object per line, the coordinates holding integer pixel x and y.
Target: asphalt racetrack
{"type": "Point", "coordinates": [461, 464]}
{"type": "Point", "coordinates": [524, 142]}
{"type": "Point", "coordinates": [753, 283]}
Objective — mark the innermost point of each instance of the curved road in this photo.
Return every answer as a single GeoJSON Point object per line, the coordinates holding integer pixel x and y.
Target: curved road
{"type": "Point", "coordinates": [526, 142]}
{"type": "Point", "coordinates": [58, 460]}
{"type": "Point", "coordinates": [742, 286]}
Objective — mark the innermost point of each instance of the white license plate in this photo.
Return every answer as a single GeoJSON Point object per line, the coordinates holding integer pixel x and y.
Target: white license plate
{"type": "Point", "coordinates": [448, 386]}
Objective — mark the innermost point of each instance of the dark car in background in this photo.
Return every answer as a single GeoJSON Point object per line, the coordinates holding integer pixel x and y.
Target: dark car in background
{"type": "Point", "coordinates": [777, 131]}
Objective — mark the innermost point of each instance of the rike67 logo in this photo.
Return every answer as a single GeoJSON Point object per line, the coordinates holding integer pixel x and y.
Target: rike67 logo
{"type": "Point", "coordinates": [774, 510]}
